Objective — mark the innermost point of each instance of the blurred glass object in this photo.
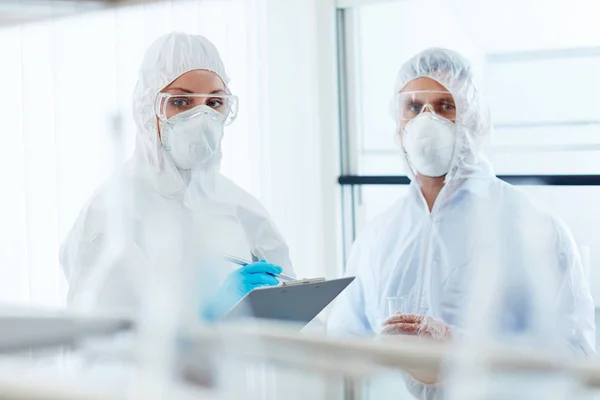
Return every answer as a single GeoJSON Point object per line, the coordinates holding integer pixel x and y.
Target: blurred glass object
{"type": "Point", "coordinates": [386, 385]}
{"type": "Point", "coordinates": [184, 274]}
{"type": "Point", "coordinates": [112, 246]}
{"type": "Point", "coordinates": [516, 309]}
{"type": "Point", "coordinates": [397, 305]}
{"type": "Point", "coordinates": [290, 374]}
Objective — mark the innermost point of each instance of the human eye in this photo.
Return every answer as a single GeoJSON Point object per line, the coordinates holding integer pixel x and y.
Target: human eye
{"type": "Point", "coordinates": [180, 102]}
{"type": "Point", "coordinates": [215, 102]}
{"type": "Point", "coordinates": [413, 108]}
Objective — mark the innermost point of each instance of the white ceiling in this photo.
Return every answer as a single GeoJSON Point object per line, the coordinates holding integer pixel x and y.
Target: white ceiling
{"type": "Point", "coordinates": [19, 11]}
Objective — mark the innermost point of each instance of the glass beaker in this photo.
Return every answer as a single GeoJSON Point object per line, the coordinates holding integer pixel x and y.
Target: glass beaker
{"type": "Point", "coordinates": [397, 305]}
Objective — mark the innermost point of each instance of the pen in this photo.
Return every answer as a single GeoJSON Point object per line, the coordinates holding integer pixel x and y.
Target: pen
{"type": "Point", "coordinates": [242, 262]}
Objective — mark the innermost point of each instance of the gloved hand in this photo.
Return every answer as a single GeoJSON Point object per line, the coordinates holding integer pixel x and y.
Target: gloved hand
{"type": "Point", "coordinates": [251, 276]}
{"type": "Point", "coordinates": [238, 284]}
{"type": "Point", "coordinates": [418, 325]}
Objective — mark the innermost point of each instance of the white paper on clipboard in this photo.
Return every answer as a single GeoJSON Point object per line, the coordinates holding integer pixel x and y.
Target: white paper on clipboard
{"type": "Point", "coordinates": [302, 281]}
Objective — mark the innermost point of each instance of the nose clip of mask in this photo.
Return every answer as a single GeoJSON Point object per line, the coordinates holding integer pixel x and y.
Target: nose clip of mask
{"type": "Point", "coordinates": [430, 107]}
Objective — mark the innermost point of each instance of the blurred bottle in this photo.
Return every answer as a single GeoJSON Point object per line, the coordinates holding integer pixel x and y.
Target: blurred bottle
{"type": "Point", "coordinates": [183, 272]}
{"type": "Point", "coordinates": [513, 308]}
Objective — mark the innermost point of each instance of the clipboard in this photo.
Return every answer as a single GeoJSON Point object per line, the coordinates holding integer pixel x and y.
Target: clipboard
{"type": "Point", "coordinates": [299, 301]}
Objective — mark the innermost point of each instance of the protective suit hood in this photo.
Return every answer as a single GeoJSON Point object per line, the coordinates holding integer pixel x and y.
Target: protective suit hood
{"type": "Point", "coordinates": [166, 59]}
{"type": "Point", "coordinates": [473, 124]}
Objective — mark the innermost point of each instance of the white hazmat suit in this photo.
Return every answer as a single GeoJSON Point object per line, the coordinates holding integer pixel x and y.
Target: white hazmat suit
{"type": "Point", "coordinates": [428, 257]}
{"type": "Point", "coordinates": [152, 197]}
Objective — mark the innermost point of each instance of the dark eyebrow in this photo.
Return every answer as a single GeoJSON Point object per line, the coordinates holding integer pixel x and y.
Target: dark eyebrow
{"type": "Point", "coordinates": [217, 91]}
{"type": "Point", "coordinates": [179, 89]}
{"type": "Point", "coordinates": [448, 99]}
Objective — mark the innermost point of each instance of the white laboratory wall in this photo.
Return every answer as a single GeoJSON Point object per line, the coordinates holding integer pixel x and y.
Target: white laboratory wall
{"type": "Point", "coordinates": [299, 112]}
{"type": "Point", "coordinates": [538, 64]}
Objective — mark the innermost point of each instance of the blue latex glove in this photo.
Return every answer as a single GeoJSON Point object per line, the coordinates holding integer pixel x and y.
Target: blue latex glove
{"type": "Point", "coordinates": [238, 284]}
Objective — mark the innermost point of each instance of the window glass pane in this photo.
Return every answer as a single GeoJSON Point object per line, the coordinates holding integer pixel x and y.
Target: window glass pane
{"type": "Point", "coordinates": [557, 137]}
{"type": "Point", "coordinates": [543, 91]}
{"type": "Point", "coordinates": [381, 163]}
{"type": "Point", "coordinates": [546, 163]}
{"type": "Point", "coordinates": [543, 86]}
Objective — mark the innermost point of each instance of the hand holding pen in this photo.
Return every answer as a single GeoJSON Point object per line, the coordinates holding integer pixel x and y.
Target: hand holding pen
{"type": "Point", "coordinates": [243, 263]}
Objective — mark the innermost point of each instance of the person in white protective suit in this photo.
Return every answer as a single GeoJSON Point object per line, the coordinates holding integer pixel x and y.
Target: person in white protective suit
{"type": "Point", "coordinates": [425, 247]}
{"type": "Point", "coordinates": [181, 103]}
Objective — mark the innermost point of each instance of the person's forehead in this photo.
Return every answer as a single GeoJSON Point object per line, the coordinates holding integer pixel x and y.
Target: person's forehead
{"type": "Point", "coordinates": [198, 81]}
{"type": "Point", "coordinates": [427, 96]}
{"type": "Point", "coordinates": [424, 84]}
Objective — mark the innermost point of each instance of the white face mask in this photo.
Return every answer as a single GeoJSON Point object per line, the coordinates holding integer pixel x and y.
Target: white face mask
{"type": "Point", "coordinates": [429, 143]}
{"type": "Point", "coordinates": [193, 141]}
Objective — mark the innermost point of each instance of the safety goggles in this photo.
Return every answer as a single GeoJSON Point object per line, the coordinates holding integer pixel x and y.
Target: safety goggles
{"type": "Point", "coordinates": [169, 105]}
{"type": "Point", "coordinates": [408, 105]}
